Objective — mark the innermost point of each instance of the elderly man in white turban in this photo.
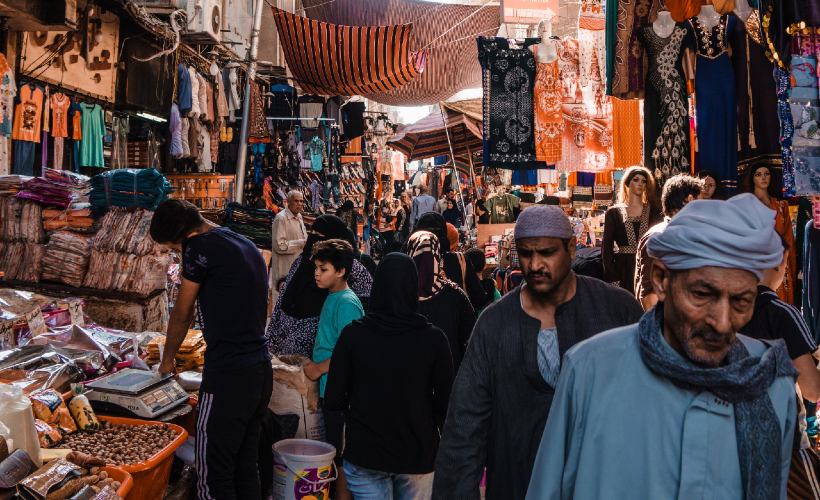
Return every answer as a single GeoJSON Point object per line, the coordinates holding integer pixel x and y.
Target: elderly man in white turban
{"type": "Point", "coordinates": [679, 406]}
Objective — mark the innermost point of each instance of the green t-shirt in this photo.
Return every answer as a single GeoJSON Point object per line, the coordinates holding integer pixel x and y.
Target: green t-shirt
{"type": "Point", "coordinates": [340, 309]}
{"type": "Point", "coordinates": [501, 208]}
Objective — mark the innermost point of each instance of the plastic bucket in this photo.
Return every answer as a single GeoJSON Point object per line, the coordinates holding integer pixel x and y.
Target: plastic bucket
{"type": "Point", "coordinates": [303, 469]}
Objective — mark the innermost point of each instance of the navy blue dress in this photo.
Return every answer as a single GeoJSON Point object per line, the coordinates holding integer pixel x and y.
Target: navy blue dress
{"type": "Point", "coordinates": [716, 102]}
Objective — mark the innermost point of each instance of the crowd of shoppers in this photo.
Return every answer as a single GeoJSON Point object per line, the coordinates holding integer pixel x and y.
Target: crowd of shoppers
{"type": "Point", "coordinates": [434, 382]}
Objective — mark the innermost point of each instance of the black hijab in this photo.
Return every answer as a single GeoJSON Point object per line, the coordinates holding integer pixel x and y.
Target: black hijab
{"type": "Point", "coordinates": [435, 223]}
{"type": "Point", "coordinates": [394, 297]}
{"type": "Point", "coordinates": [303, 298]}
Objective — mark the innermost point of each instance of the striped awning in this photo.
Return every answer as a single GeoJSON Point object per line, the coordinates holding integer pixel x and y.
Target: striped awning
{"type": "Point", "coordinates": [446, 31]}
{"type": "Point", "coordinates": [329, 59]}
{"type": "Point", "coordinates": [428, 137]}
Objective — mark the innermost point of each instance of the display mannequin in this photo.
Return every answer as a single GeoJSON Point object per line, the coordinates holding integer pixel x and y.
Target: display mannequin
{"type": "Point", "coordinates": [624, 225]}
{"type": "Point", "coordinates": [545, 51]}
{"type": "Point", "coordinates": [549, 120]}
{"type": "Point", "coordinates": [664, 24]}
{"type": "Point", "coordinates": [760, 180]}
{"type": "Point", "coordinates": [708, 16]}
{"type": "Point", "coordinates": [742, 9]}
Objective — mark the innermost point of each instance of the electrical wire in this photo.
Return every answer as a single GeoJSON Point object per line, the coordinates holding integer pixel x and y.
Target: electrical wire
{"type": "Point", "coordinates": [456, 25]}
{"type": "Point", "coordinates": [464, 38]}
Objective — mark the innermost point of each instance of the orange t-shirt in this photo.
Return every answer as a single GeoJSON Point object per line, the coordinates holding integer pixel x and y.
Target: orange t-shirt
{"type": "Point", "coordinates": [59, 115]}
{"type": "Point", "coordinates": [28, 114]}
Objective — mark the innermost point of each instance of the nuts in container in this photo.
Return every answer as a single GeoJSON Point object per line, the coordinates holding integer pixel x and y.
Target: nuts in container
{"type": "Point", "coordinates": [121, 444]}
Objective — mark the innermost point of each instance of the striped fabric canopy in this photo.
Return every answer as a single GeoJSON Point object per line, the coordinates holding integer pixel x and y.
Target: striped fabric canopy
{"type": "Point", "coordinates": [446, 31]}
{"type": "Point", "coordinates": [427, 137]}
{"type": "Point", "coordinates": [329, 59]}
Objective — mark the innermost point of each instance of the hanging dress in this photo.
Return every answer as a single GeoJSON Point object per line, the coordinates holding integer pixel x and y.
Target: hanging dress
{"type": "Point", "coordinates": [783, 225]}
{"type": "Point", "coordinates": [666, 105]}
{"type": "Point", "coordinates": [756, 90]}
{"type": "Point", "coordinates": [509, 75]}
{"type": "Point", "coordinates": [621, 236]}
{"type": "Point", "coordinates": [715, 101]}
{"type": "Point", "coordinates": [549, 120]}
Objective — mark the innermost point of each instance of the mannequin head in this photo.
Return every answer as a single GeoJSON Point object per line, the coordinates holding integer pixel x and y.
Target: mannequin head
{"type": "Point", "coordinates": [544, 28]}
{"type": "Point", "coordinates": [639, 182]}
{"type": "Point", "coordinates": [760, 181]}
{"type": "Point", "coordinates": [712, 185]}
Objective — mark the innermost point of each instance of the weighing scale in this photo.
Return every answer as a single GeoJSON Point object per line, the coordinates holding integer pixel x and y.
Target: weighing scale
{"type": "Point", "coordinates": [136, 393]}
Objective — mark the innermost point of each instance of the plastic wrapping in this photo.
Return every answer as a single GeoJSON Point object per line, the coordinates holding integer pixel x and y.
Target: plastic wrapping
{"type": "Point", "coordinates": [34, 367]}
{"type": "Point", "coordinates": [16, 414]}
{"type": "Point", "coordinates": [114, 345]}
{"type": "Point", "coordinates": [16, 303]}
{"type": "Point", "coordinates": [81, 410]}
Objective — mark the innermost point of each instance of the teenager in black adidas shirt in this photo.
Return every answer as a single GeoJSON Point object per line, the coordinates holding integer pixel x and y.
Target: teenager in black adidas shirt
{"type": "Point", "coordinates": [224, 275]}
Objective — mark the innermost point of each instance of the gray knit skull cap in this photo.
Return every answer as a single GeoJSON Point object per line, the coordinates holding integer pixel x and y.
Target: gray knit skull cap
{"type": "Point", "coordinates": [543, 221]}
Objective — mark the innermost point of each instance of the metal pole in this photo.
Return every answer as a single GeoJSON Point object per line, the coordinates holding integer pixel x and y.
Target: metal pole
{"type": "Point", "coordinates": [246, 107]}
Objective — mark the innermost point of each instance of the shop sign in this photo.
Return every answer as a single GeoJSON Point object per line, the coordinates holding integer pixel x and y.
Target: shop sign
{"type": "Point", "coordinates": [528, 11]}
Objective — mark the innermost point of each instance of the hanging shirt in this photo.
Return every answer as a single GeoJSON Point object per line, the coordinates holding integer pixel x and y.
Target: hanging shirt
{"type": "Point", "coordinates": [397, 160]}
{"type": "Point", "coordinates": [28, 113]}
{"type": "Point", "coordinates": [318, 155]}
{"type": "Point", "coordinates": [203, 98]}
{"type": "Point", "coordinates": [91, 146]}
{"type": "Point", "coordinates": [195, 111]}
{"type": "Point", "coordinates": [175, 124]}
{"type": "Point", "coordinates": [183, 89]}
{"type": "Point", "coordinates": [8, 91]}
{"type": "Point", "coordinates": [501, 208]}
{"type": "Point", "coordinates": [59, 115]}
{"type": "Point", "coordinates": [75, 125]}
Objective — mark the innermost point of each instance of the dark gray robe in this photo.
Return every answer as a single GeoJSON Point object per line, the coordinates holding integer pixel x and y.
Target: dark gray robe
{"type": "Point", "coordinates": [500, 401]}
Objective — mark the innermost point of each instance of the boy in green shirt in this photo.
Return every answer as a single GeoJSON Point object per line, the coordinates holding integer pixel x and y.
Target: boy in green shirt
{"type": "Point", "coordinates": [334, 261]}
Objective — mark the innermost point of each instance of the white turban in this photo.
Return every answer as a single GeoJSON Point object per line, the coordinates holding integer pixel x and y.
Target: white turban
{"type": "Point", "coordinates": [735, 234]}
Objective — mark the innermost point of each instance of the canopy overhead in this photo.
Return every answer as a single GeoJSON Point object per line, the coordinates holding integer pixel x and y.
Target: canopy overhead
{"type": "Point", "coordinates": [329, 59]}
{"type": "Point", "coordinates": [428, 137]}
{"type": "Point", "coordinates": [453, 55]}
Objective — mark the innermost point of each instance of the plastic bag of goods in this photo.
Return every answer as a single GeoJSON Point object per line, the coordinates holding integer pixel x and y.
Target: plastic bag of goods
{"type": "Point", "coordinates": [16, 414]}
{"type": "Point", "coordinates": [295, 394]}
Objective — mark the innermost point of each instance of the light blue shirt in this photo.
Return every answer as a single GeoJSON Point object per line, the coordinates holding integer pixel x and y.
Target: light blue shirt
{"type": "Point", "coordinates": [617, 431]}
{"type": "Point", "coordinates": [421, 205]}
{"type": "Point", "coordinates": [549, 359]}
{"type": "Point", "coordinates": [339, 310]}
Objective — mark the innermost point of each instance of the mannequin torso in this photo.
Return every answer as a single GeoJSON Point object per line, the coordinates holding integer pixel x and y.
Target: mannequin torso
{"type": "Point", "coordinates": [546, 52]}
{"type": "Point", "coordinates": [708, 16]}
{"type": "Point", "coordinates": [743, 9]}
{"type": "Point", "coordinates": [664, 25]}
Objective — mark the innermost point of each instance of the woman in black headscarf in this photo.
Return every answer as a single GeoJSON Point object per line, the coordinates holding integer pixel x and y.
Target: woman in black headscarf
{"type": "Point", "coordinates": [458, 268]}
{"type": "Point", "coordinates": [452, 214]}
{"type": "Point", "coordinates": [443, 303]}
{"type": "Point", "coordinates": [349, 215]}
{"type": "Point", "coordinates": [295, 319]}
{"type": "Point", "coordinates": [393, 374]}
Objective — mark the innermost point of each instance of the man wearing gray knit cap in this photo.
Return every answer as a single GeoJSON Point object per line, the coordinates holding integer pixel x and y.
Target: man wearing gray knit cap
{"type": "Point", "coordinates": [680, 405]}
{"type": "Point", "coordinates": [506, 382]}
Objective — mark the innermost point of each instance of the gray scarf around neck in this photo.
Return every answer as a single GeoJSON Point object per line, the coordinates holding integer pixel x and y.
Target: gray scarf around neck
{"type": "Point", "coordinates": [743, 381]}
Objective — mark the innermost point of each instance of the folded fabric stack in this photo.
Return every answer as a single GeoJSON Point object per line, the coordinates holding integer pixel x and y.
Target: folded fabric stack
{"type": "Point", "coordinates": [129, 187]}
{"type": "Point", "coordinates": [127, 231]}
{"type": "Point", "coordinates": [252, 223]}
{"type": "Point", "coordinates": [75, 220]}
{"type": "Point", "coordinates": [77, 181]}
{"type": "Point", "coordinates": [190, 355]}
{"type": "Point", "coordinates": [22, 220]}
{"type": "Point", "coordinates": [66, 258]}
{"type": "Point", "coordinates": [12, 184]}
{"type": "Point", "coordinates": [51, 192]}
{"type": "Point", "coordinates": [127, 272]}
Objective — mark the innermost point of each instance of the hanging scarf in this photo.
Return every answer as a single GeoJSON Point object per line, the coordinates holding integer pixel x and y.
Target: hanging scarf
{"type": "Point", "coordinates": [744, 382]}
{"type": "Point", "coordinates": [425, 251]}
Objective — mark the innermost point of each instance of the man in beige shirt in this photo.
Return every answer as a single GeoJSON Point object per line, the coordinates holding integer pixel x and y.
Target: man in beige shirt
{"type": "Point", "coordinates": [288, 237]}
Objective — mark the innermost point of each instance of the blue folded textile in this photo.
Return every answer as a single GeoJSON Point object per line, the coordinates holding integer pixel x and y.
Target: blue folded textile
{"type": "Point", "coordinates": [129, 187]}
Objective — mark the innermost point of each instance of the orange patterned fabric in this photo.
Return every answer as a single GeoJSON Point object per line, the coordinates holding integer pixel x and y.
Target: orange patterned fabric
{"type": "Point", "coordinates": [626, 133]}
{"type": "Point", "coordinates": [682, 10]}
{"type": "Point", "coordinates": [783, 225]}
{"type": "Point", "coordinates": [329, 59]}
{"type": "Point", "coordinates": [549, 122]}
